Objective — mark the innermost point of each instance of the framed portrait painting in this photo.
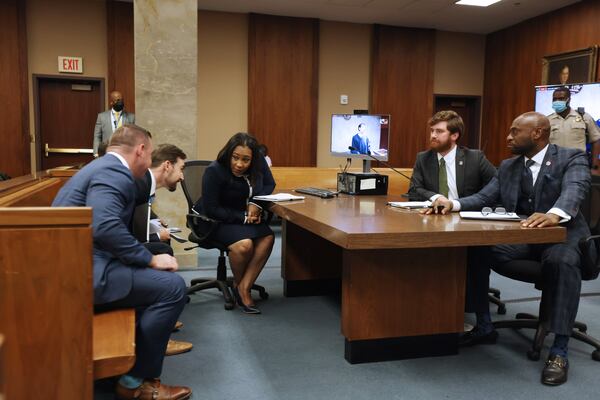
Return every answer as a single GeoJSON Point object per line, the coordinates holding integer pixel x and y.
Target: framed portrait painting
{"type": "Point", "coordinates": [577, 66]}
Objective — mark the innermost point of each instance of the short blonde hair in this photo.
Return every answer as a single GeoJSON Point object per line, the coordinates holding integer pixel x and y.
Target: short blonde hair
{"type": "Point", "coordinates": [129, 135]}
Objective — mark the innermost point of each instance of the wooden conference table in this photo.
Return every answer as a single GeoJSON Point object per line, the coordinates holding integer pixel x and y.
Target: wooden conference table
{"type": "Point", "coordinates": [402, 273]}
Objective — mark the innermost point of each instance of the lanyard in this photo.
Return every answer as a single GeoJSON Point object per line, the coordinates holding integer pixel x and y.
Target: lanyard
{"type": "Point", "coordinates": [115, 120]}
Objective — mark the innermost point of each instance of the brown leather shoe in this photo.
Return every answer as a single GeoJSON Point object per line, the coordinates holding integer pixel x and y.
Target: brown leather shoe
{"type": "Point", "coordinates": [152, 389]}
{"type": "Point", "coordinates": [178, 326]}
{"type": "Point", "coordinates": [556, 371]}
{"type": "Point", "coordinates": [177, 347]}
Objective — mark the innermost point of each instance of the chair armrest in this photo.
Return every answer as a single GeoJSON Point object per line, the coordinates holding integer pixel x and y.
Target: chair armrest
{"type": "Point", "coordinates": [590, 262]}
{"type": "Point", "coordinates": [201, 227]}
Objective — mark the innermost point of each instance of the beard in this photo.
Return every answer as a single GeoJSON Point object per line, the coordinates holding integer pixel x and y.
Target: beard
{"type": "Point", "coordinates": [522, 149]}
{"type": "Point", "coordinates": [439, 146]}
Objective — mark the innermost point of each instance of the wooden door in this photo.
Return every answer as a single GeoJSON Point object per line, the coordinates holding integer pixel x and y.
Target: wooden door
{"type": "Point", "coordinates": [468, 107]}
{"type": "Point", "coordinates": [66, 112]}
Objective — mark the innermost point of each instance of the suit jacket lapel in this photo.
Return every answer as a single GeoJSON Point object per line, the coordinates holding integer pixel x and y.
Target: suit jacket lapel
{"type": "Point", "coordinates": [459, 167]}
{"type": "Point", "coordinates": [544, 169]}
{"type": "Point", "coordinates": [433, 168]}
{"type": "Point", "coordinates": [511, 188]}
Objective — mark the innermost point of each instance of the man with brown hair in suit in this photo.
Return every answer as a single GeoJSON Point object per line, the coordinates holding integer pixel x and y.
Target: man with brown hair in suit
{"type": "Point", "coordinates": [447, 170]}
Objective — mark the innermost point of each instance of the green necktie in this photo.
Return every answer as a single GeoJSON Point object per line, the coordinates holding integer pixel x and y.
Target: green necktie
{"type": "Point", "coordinates": [443, 179]}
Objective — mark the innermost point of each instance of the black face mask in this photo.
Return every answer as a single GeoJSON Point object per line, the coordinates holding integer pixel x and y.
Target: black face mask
{"type": "Point", "coordinates": [118, 106]}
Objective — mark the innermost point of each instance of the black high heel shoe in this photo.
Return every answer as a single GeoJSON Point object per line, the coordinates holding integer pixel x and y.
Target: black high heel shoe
{"type": "Point", "coordinates": [245, 309]}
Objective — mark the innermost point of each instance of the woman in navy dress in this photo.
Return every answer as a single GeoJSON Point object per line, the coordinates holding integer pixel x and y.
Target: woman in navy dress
{"type": "Point", "coordinates": [229, 184]}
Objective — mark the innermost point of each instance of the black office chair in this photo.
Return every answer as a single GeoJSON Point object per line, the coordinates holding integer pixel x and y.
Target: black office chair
{"type": "Point", "coordinates": [591, 212]}
{"type": "Point", "coordinates": [531, 271]}
{"type": "Point", "coordinates": [494, 298]}
{"type": "Point", "coordinates": [201, 228]}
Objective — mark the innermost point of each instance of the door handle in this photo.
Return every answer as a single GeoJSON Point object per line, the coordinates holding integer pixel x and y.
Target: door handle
{"type": "Point", "coordinates": [66, 150]}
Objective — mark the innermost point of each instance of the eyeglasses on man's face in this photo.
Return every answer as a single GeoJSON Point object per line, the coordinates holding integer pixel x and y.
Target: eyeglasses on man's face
{"type": "Point", "coordinates": [489, 210]}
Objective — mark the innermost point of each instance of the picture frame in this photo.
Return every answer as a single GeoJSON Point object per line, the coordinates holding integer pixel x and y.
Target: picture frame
{"type": "Point", "coordinates": [578, 66]}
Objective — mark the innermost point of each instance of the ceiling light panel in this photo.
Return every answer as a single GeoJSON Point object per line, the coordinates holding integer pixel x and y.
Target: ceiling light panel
{"type": "Point", "coordinates": [478, 3]}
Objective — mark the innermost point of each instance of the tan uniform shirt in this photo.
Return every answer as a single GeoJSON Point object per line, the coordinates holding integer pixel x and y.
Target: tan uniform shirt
{"type": "Point", "coordinates": [572, 130]}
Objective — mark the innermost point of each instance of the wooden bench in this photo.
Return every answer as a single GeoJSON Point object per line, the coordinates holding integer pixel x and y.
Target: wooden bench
{"type": "Point", "coordinates": [47, 260]}
{"type": "Point", "coordinates": [2, 367]}
{"type": "Point", "coordinates": [114, 342]}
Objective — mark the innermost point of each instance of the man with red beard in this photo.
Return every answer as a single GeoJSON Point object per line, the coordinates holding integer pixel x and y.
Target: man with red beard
{"type": "Point", "coordinates": [446, 170]}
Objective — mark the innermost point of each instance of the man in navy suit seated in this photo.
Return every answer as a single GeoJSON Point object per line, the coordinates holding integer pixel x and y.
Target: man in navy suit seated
{"type": "Point", "coordinates": [126, 274]}
{"type": "Point", "coordinates": [547, 183]}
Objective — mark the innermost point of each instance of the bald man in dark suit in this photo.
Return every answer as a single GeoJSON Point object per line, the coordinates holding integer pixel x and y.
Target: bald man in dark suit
{"type": "Point", "coordinates": [547, 183]}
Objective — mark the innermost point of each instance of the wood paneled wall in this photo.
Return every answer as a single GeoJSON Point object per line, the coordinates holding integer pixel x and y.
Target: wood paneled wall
{"type": "Point", "coordinates": [14, 113]}
{"type": "Point", "coordinates": [513, 66]}
{"type": "Point", "coordinates": [121, 53]}
{"type": "Point", "coordinates": [283, 87]}
{"type": "Point", "coordinates": [402, 86]}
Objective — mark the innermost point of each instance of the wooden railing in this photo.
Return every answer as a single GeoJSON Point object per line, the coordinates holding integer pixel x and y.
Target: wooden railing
{"type": "Point", "coordinates": [52, 337]}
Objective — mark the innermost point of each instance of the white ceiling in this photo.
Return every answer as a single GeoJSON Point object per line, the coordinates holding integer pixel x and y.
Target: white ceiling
{"type": "Point", "coordinates": [436, 14]}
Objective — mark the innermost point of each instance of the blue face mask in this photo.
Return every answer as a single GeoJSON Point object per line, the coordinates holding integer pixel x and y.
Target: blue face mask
{"type": "Point", "coordinates": [559, 106]}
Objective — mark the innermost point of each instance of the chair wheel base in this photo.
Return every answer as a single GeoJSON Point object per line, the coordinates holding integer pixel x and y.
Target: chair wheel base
{"type": "Point", "coordinates": [502, 310]}
{"type": "Point", "coordinates": [533, 355]}
{"type": "Point", "coordinates": [263, 295]}
{"type": "Point", "coordinates": [228, 306]}
{"type": "Point", "coordinates": [596, 355]}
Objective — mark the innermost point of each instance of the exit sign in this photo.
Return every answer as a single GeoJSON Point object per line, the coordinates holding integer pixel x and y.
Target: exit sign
{"type": "Point", "coordinates": [71, 65]}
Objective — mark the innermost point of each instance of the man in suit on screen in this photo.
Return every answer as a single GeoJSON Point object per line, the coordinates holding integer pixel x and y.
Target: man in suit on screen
{"type": "Point", "coordinates": [360, 141]}
{"type": "Point", "coordinates": [547, 183]}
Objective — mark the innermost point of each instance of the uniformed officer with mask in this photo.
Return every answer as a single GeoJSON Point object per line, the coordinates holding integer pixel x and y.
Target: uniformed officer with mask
{"type": "Point", "coordinates": [569, 128]}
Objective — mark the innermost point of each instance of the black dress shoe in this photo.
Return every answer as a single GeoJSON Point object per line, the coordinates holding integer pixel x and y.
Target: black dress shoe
{"type": "Point", "coordinates": [556, 370]}
{"type": "Point", "coordinates": [245, 309]}
{"type": "Point", "coordinates": [475, 337]}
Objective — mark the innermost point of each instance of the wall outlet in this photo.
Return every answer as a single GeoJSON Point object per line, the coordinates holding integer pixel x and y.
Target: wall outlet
{"type": "Point", "coordinates": [343, 99]}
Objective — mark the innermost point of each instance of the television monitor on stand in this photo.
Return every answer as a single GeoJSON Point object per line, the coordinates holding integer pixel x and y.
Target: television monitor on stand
{"type": "Point", "coordinates": [362, 136]}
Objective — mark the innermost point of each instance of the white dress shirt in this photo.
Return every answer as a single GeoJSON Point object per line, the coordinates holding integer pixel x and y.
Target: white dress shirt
{"type": "Point", "coordinates": [120, 157]}
{"type": "Point", "coordinates": [538, 159]}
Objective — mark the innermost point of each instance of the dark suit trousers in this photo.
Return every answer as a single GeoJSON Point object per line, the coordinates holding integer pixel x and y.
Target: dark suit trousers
{"type": "Point", "coordinates": [561, 275]}
{"type": "Point", "coordinates": [159, 248]}
{"type": "Point", "coordinates": [158, 297]}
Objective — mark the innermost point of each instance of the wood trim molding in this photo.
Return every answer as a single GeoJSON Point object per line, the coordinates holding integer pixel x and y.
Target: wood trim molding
{"type": "Point", "coordinates": [283, 64]}
{"type": "Point", "coordinates": [120, 51]}
{"type": "Point", "coordinates": [44, 216]}
{"type": "Point", "coordinates": [24, 83]}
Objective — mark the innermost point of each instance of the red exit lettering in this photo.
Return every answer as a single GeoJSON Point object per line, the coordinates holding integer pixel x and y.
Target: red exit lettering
{"type": "Point", "coordinates": [70, 64]}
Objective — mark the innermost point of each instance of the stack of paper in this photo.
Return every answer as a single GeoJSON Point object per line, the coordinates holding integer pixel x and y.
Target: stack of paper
{"type": "Point", "coordinates": [155, 226]}
{"type": "Point", "coordinates": [279, 197]}
{"type": "Point", "coordinates": [410, 204]}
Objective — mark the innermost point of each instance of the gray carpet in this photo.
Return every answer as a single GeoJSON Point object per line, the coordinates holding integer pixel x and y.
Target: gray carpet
{"type": "Point", "coordinates": [294, 350]}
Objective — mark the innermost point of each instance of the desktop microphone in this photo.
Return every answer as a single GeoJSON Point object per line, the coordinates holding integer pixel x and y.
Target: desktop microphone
{"type": "Point", "coordinates": [352, 148]}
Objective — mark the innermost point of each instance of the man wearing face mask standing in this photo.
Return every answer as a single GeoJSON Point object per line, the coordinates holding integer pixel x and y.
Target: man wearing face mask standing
{"type": "Point", "coordinates": [569, 128]}
{"type": "Point", "coordinates": [111, 119]}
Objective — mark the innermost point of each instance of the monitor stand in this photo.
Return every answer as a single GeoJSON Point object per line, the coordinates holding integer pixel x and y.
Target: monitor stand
{"type": "Point", "coordinates": [366, 166]}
